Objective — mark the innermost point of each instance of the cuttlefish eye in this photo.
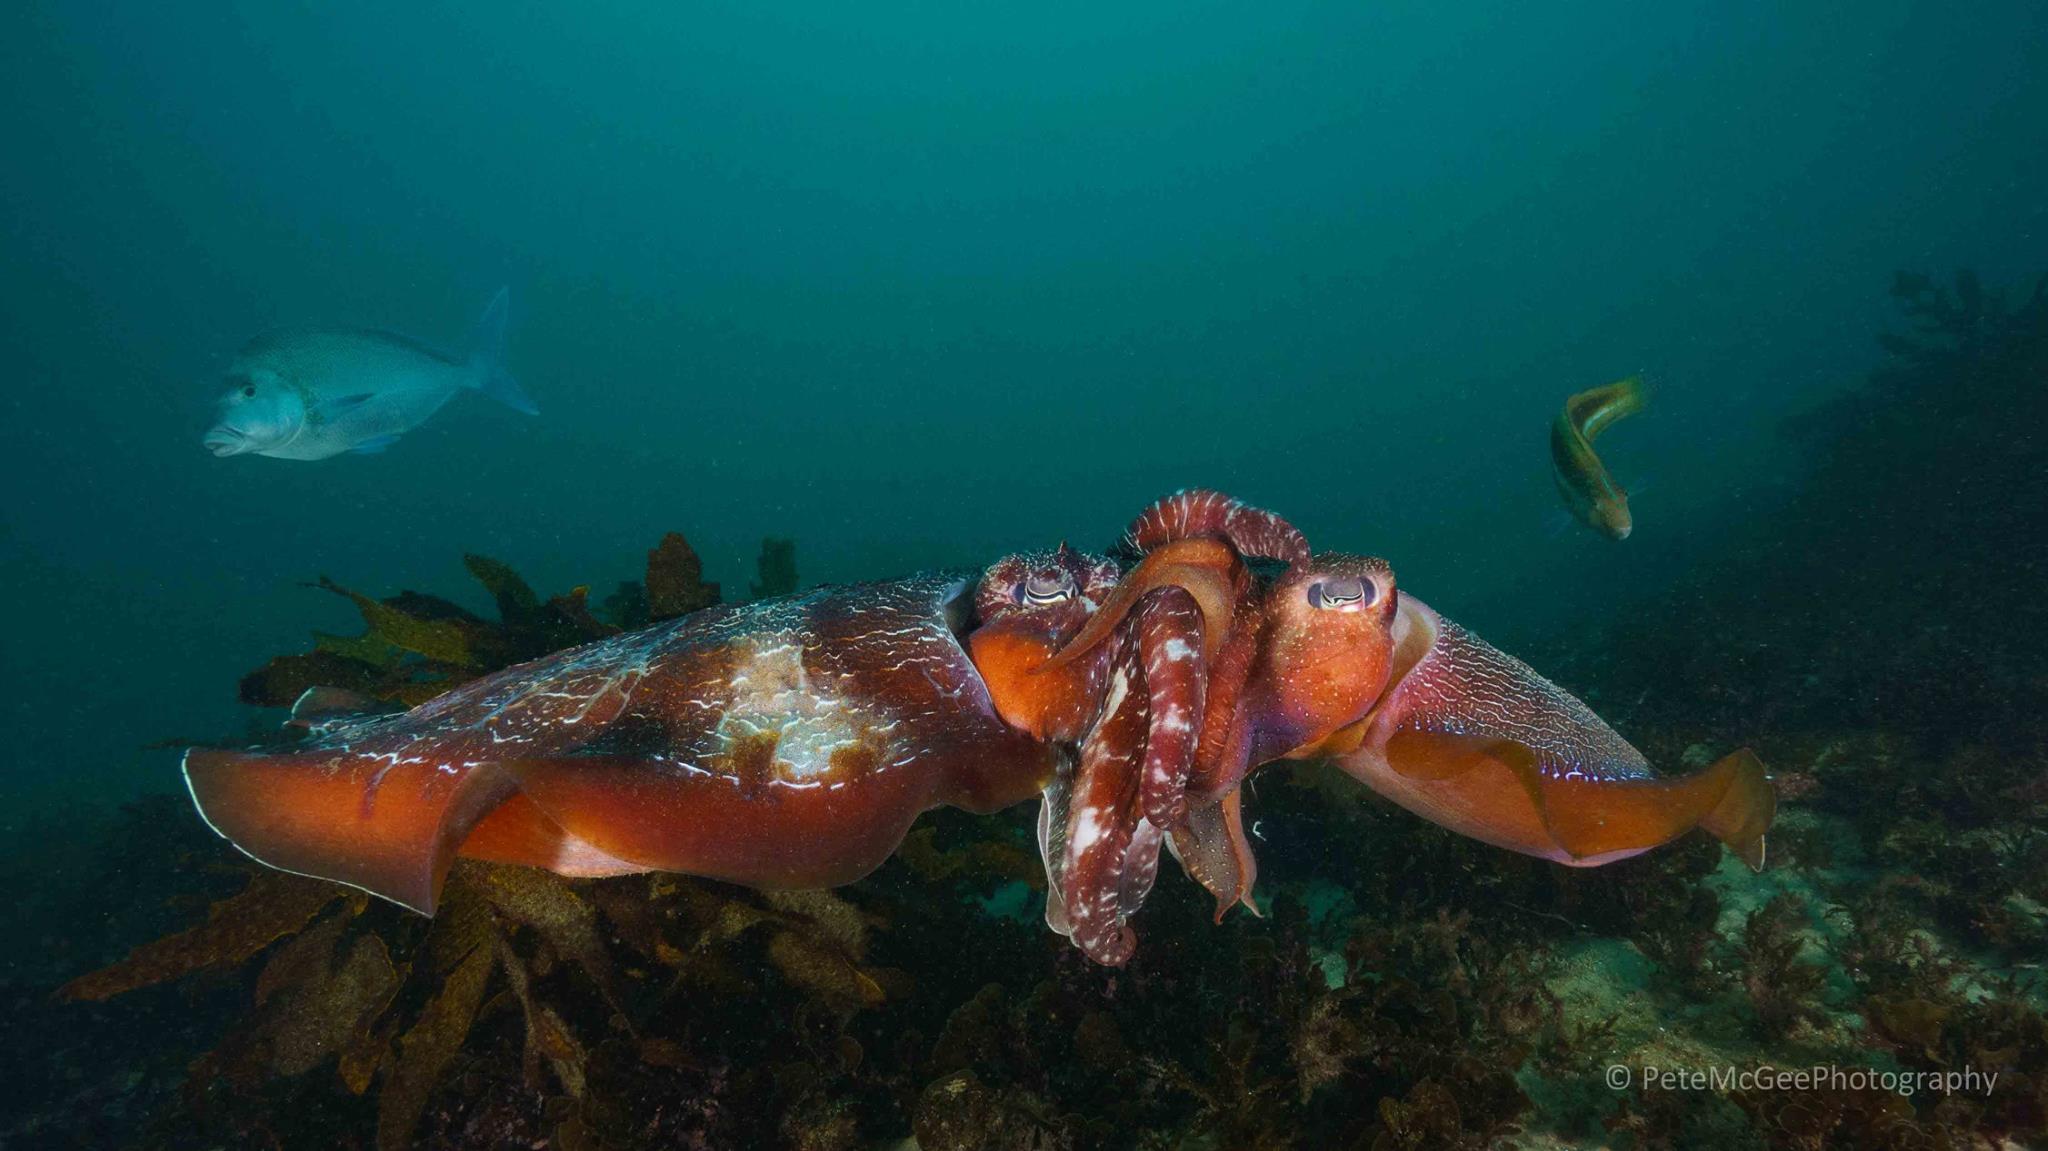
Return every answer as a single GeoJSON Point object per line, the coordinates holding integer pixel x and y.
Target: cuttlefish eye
{"type": "Point", "coordinates": [1348, 594]}
{"type": "Point", "coordinates": [1047, 587]}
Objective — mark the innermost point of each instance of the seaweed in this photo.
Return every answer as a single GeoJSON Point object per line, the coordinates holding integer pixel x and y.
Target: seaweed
{"type": "Point", "coordinates": [1781, 985]}
{"type": "Point", "coordinates": [272, 906]}
{"type": "Point", "coordinates": [416, 646]}
{"type": "Point", "coordinates": [675, 580]}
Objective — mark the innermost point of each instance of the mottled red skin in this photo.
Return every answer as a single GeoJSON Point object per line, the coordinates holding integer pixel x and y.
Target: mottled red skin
{"type": "Point", "coordinates": [1199, 513]}
{"type": "Point", "coordinates": [1283, 672]}
{"type": "Point", "coordinates": [1016, 638]}
{"type": "Point", "coordinates": [1143, 657]}
{"type": "Point", "coordinates": [788, 743]}
{"type": "Point", "coordinates": [1129, 696]}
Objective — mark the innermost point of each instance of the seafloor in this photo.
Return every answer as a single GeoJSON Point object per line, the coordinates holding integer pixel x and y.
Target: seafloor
{"type": "Point", "coordinates": [1875, 634]}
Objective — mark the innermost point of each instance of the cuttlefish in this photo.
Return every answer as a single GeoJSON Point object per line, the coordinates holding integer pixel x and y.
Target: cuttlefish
{"type": "Point", "coordinates": [787, 743]}
{"type": "Point", "coordinates": [1332, 662]}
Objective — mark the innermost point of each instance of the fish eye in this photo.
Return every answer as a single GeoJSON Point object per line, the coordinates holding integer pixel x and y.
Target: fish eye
{"type": "Point", "coordinates": [249, 391]}
{"type": "Point", "coordinates": [1046, 587]}
{"type": "Point", "coordinates": [1350, 593]}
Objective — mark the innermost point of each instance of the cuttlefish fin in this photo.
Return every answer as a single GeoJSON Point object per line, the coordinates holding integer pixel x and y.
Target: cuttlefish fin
{"type": "Point", "coordinates": [518, 831]}
{"type": "Point", "coordinates": [390, 828]}
{"type": "Point", "coordinates": [1476, 740]}
{"type": "Point", "coordinates": [1748, 805]}
{"type": "Point", "coordinates": [1212, 848]}
{"type": "Point", "coordinates": [1598, 820]}
{"type": "Point", "coordinates": [662, 817]}
{"type": "Point", "coordinates": [1503, 788]}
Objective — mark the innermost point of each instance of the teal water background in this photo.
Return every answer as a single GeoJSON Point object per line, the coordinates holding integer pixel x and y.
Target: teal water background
{"type": "Point", "coordinates": [920, 284]}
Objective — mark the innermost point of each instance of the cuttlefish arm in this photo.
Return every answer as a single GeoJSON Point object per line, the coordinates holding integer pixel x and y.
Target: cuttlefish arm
{"type": "Point", "coordinates": [1147, 646]}
{"type": "Point", "coordinates": [1128, 705]}
{"type": "Point", "coordinates": [1194, 544]}
{"type": "Point", "coordinates": [1178, 608]}
{"type": "Point", "coordinates": [1475, 740]}
{"type": "Point", "coordinates": [1195, 541]}
{"type": "Point", "coordinates": [1103, 821]}
{"type": "Point", "coordinates": [1134, 761]}
{"type": "Point", "coordinates": [1199, 512]}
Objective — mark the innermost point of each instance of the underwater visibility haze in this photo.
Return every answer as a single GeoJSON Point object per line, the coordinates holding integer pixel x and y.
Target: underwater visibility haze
{"type": "Point", "coordinates": [953, 577]}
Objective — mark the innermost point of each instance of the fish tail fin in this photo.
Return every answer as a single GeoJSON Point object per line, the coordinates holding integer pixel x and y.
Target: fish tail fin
{"type": "Point", "coordinates": [1593, 410]}
{"type": "Point", "coordinates": [487, 357]}
{"type": "Point", "coordinates": [1746, 808]}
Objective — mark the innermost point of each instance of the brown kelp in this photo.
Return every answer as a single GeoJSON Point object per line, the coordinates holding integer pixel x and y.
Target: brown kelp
{"type": "Point", "coordinates": [416, 646]}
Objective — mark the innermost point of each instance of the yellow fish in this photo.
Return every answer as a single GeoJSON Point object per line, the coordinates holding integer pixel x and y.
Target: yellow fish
{"type": "Point", "coordinates": [1591, 495]}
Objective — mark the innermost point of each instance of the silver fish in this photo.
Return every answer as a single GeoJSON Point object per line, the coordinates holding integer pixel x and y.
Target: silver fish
{"type": "Point", "coordinates": [308, 395]}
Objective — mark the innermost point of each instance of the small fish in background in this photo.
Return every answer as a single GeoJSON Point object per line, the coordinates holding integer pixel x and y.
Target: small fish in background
{"type": "Point", "coordinates": [1590, 494]}
{"type": "Point", "coordinates": [308, 395]}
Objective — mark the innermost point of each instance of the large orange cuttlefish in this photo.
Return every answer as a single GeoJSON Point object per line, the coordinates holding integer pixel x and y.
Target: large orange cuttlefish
{"type": "Point", "coordinates": [784, 743]}
{"type": "Point", "coordinates": [1330, 661]}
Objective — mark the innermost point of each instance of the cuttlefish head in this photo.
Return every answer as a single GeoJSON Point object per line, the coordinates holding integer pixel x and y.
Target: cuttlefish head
{"type": "Point", "coordinates": [1028, 606]}
{"type": "Point", "coordinates": [1326, 653]}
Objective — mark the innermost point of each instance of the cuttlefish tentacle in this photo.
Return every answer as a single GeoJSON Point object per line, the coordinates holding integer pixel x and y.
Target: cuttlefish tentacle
{"type": "Point", "coordinates": [1137, 750]}
{"type": "Point", "coordinates": [1199, 512]}
{"type": "Point", "coordinates": [1103, 818]}
{"type": "Point", "coordinates": [1170, 649]}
